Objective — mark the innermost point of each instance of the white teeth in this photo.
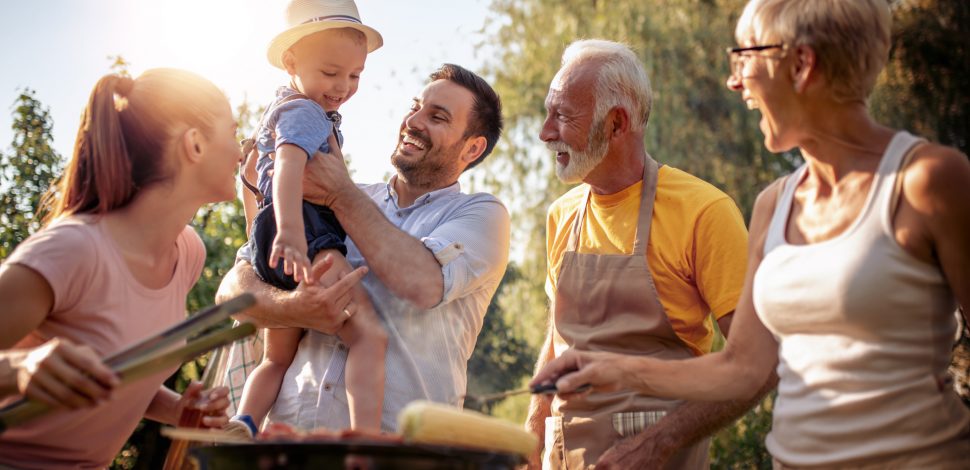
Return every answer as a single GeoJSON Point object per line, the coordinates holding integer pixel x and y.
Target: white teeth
{"type": "Point", "coordinates": [752, 104]}
{"type": "Point", "coordinates": [410, 140]}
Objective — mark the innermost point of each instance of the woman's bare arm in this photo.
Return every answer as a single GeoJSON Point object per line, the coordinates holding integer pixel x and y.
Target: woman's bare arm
{"type": "Point", "coordinates": [736, 373]}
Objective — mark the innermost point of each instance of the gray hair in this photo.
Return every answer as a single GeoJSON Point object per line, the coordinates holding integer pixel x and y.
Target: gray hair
{"type": "Point", "coordinates": [622, 81]}
{"type": "Point", "coordinates": [851, 39]}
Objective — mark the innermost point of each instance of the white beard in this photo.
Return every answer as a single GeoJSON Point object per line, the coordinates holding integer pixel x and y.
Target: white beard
{"type": "Point", "coordinates": [580, 164]}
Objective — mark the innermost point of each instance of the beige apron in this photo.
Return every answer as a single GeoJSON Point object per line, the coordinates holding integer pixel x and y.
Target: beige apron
{"type": "Point", "coordinates": [610, 303]}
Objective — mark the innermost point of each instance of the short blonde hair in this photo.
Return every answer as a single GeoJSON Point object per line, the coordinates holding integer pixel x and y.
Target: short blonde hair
{"type": "Point", "coordinates": [851, 38]}
{"type": "Point", "coordinates": [622, 81]}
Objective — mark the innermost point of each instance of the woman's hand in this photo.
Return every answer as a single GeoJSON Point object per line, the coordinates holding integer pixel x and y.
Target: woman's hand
{"type": "Point", "coordinates": [602, 370]}
{"type": "Point", "coordinates": [62, 374]}
{"type": "Point", "coordinates": [211, 404]}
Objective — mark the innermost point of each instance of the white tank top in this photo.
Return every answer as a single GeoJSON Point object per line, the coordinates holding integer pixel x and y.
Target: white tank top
{"type": "Point", "coordinates": [864, 332]}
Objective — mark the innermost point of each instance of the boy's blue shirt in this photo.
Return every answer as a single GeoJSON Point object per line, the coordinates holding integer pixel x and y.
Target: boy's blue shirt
{"type": "Point", "coordinates": [299, 122]}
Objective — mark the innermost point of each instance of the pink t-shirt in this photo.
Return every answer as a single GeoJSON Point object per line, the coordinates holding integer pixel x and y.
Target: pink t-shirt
{"type": "Point", "coordinates": [96, 302]}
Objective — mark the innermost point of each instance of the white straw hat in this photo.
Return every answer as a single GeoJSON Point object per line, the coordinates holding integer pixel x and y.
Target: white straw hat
{"type": "Point", "coordinates": [305, 17]}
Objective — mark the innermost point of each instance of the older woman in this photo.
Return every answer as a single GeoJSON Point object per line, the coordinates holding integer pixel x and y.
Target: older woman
{"type": "Point", "coordinates": [113, 266]}
{"type": "Point", "coordinates": [857, 261]}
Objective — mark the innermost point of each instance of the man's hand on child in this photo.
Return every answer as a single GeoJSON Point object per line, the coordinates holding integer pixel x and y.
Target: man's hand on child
{"type": "Point", "coordinates": [321, 307]}
{"type": "Point", "coordinates": [325, 177]}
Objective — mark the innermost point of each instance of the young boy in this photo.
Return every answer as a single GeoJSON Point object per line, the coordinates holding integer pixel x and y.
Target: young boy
{"type": "Point", "coordinates": [324, 52]}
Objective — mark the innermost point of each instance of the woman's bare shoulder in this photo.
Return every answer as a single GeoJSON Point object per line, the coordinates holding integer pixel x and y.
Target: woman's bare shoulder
{"type": "Point", "coordinates": [764, 209]}
{"type": "Point", "coordinates": [764, 205]}
{"type": "Point", "coordinates": [936, 174]}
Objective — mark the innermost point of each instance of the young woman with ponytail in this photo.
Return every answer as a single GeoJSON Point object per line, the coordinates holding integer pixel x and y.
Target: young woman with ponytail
{"type": "Point", "coordinates": [113, 265]}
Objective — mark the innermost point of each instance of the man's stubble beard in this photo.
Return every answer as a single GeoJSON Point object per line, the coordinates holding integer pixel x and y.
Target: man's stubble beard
{"type": "Point", "coordinates": [431, 169]}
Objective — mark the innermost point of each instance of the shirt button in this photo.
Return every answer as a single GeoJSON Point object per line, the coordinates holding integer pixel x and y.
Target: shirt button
{"type": "Point", "coordinates": [327, 387]}
{"type": "Point", "coordinates": [341, 346]}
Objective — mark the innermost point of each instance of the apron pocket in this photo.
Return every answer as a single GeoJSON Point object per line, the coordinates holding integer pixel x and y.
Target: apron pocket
{"type": "Point", "coordinates": [632, 423]}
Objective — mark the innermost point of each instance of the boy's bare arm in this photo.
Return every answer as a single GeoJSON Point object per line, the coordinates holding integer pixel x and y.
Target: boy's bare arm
{"type": "Point", "coordinates": [290, 242]}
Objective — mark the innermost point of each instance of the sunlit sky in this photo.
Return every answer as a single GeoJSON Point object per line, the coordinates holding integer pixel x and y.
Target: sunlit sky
{"type": "Point", "coordinates": [60, 48]}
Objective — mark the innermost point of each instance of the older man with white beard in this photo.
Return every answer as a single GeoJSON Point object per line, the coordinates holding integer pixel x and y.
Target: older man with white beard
{"type": "Point", "coordinates": [640, 257]}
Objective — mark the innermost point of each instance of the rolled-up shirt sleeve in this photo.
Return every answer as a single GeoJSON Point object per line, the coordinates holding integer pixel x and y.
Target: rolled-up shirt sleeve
{"type": "Point", "coordinates": [472, 247]}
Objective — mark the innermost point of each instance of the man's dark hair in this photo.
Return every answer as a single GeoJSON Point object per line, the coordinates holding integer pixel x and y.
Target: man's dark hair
{"type": "Point", "coordinates": [486, 116]}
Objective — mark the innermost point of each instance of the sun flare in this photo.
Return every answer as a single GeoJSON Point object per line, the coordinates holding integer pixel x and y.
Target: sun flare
{"type": "Point", "coordinates": [206, 36]}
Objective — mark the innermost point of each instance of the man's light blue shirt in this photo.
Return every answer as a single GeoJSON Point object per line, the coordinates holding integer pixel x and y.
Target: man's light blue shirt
{"type": "Point", "coordinates": [428, 350]}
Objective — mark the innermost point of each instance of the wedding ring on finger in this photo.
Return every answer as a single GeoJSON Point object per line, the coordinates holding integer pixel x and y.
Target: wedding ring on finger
{"type": "Point", "coordinates": [347, 312]}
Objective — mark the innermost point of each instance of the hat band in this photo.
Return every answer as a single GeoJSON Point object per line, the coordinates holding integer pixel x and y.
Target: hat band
{"type": "Point", "coordinates": [333, 17]}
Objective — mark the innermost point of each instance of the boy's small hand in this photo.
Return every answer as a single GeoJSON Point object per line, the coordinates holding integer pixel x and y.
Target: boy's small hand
{"type": "Point", "coordinates": [292, 249]}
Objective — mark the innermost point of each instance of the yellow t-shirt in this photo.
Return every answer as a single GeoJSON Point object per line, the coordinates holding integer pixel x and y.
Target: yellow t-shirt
{"type": "Point", "coordinates": [697, 252]}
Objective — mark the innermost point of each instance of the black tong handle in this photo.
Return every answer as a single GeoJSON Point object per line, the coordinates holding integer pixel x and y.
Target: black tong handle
{"type": "Point", "coordinates": [550, 389]}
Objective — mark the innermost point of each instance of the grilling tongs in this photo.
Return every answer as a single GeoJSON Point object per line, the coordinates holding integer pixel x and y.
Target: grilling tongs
{"type": "Point", "coordinates": [156, 353]}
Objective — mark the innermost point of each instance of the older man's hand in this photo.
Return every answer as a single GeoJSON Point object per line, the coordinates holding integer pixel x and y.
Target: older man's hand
{"type": "Point", "coordinates": [325, 177]}
{"type": "Point", "coordinates": [647, 450]}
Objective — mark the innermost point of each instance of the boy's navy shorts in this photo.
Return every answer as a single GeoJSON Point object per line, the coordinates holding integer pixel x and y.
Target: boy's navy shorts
{"type": "Point", "coordinates": [323, 232]}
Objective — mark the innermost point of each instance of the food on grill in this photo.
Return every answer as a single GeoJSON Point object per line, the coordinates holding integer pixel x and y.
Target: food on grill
{"type": "Point", "coordinates": [432, 423]}
{"type": "Point", "coordinates": [282, 432]}
{"type": "Point", "coordinates": [285, 432]}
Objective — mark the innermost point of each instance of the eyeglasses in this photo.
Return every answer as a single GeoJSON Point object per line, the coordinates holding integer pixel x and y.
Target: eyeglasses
{"type": "Point", "coordinates": [738, 55]}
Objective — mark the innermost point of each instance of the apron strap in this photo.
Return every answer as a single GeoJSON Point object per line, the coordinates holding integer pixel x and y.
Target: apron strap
{"type": "Point", "coordinates": [573, 243]}
{"type": "Point", "coordinates": [647, 195]}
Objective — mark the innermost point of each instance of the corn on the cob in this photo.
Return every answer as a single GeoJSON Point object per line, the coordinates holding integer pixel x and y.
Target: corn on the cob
{"type": "Point", "coordinates": [425, 422]}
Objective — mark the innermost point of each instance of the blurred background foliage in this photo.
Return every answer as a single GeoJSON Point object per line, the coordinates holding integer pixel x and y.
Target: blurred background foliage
{"type": "Point", "coordinates": [696, 125]}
